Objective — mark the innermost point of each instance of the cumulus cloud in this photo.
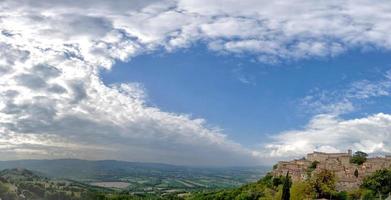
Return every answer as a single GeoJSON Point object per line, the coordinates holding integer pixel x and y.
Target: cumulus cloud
{"type": "Point", "coordinates": [329, 133]}
{"type": "Point", "coordinates": [83, 116]}
{"type": "Point", "coordinates": [54, 104]}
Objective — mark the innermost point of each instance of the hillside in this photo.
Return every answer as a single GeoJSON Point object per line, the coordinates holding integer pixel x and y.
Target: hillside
{"type": "Point", "coordinates": [23, 184]}
{"type": "Point", "coordinates": [18, 183]}
{"type": "Point", "coordinates": [321, 185]}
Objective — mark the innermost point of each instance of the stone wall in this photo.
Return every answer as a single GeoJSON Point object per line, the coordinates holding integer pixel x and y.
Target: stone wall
{"type": "Point", "coordinates": [297, 169]}
{"type": "Point", "coordinates": [338, 163]}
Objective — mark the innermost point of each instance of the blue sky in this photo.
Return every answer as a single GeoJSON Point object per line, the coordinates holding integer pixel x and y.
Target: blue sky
{"type": "Point", "coordinates": [250, 100]}
{"type": "Point", "coordinates": [194, 82]}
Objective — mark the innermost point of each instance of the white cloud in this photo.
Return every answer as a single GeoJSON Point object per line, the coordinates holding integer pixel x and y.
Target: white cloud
{"type": "Point", "coordinates": [243, 77]}
{"type": "Point", "coordinates": [292, 29]}
{"type": "Point", "coordinates": [329, 133]}
{"type": "Point", "coordinates": [366, 89]}
{"type": "Point", "coordinates": [51, 53]}
{"type": "Point", "coordinates": [273, 30]}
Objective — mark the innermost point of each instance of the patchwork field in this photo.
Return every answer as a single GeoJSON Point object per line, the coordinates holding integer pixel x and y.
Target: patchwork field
{"type": "Point", "coordinates": [120, 185]}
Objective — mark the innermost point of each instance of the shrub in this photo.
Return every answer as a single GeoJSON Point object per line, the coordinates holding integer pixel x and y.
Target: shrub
{"type": "Point", "coordinates": [302, 190]}
{"type": "Point", "coordinates": [379, 182]}
{"type": "Point", "coordinates": [323, 183]}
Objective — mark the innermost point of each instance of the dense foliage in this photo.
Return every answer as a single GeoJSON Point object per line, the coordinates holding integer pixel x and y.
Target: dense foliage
{"type": "Point", "coordinates": [379, 183]}
{"type": "Point", "coordinates": [302, 190]}
{"type": "Point", "coordinates": [322, 184]}
{"type": "Point", "coordinates": [268, 187]}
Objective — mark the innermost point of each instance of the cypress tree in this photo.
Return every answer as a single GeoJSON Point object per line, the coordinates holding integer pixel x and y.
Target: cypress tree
{"type": "Point", "coordinates": [286, 195]}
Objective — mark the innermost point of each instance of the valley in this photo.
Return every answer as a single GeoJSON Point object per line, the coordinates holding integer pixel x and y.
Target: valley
{"type": "Point", "coordinates": [136, 179]}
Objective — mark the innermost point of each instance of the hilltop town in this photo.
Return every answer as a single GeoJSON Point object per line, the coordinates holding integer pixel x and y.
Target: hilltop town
{"type": "Point", "coordinates": [349, 175]}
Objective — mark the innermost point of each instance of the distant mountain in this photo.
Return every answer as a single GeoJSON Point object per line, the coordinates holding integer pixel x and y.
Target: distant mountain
{"type": "Point", "coordinates": [85, 169]}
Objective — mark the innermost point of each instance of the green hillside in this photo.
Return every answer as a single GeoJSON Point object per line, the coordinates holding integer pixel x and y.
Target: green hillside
{"type": "Point", "coordinates": [25, 184]}
{"type": "Point", "coordinates": [20, 184]}
{"type": "Point", "coordinates": [320, 186]}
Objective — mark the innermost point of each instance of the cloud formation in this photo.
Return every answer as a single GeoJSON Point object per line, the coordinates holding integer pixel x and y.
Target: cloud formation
{"type": "Point", "coordinates": [272, 31]}
{"type": "Point", "coordinates": [53, 103]}
{"type": "Point", "coordinates": [329, 133]}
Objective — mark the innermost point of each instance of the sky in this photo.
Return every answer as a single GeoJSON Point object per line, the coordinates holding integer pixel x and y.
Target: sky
{"type": "Point", "coordinates": [193, 82]}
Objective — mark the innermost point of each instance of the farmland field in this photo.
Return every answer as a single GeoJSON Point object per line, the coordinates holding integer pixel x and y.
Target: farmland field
{"type": "Point", "coordinates": [120, 185]}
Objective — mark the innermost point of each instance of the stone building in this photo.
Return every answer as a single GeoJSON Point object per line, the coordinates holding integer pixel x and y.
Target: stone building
{"type": "Point", "coordinates": [323, 157]}
{"type": "Point", "coordinates": [338, 163]}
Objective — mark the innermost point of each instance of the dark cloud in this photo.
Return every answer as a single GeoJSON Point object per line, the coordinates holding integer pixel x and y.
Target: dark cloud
{"type": "Point", "coordinates": [31, 81]}
{"type": "Point", "coordinates": [45, 71]}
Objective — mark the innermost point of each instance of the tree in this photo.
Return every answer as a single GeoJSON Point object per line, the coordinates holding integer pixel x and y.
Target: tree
{"type": "Point", "coordinates": [276, 181]}
{"type": "Point", "coordinates": [379, 182]}
{"type": "Point", "coordinates": [275, 166]}
{"type": "Point", "coordinates": [323, 183]}
{"type": "Point", "coordinates": [286, 188]}
{"type": "Point", "coordinates": [267, 180]}
{"type": "Point", "coordinates": [302, 190]}
{"type": "Point", "coordinates": [356, 173]}
{"type": "Point", "coordinates": [359, 157]}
